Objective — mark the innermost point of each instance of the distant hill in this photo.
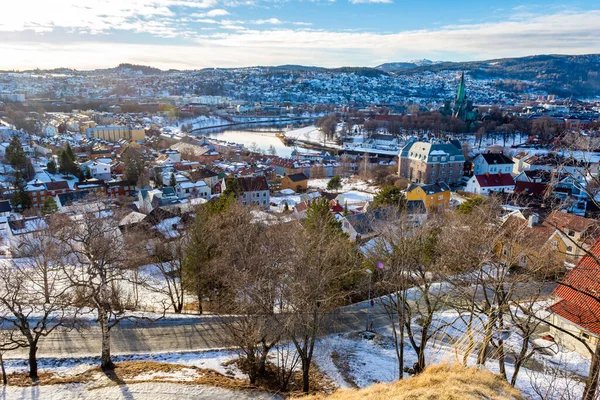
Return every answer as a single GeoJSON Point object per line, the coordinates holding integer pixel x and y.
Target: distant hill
{"type": "Point", "coordinates": [395, 66]}
{"type": "Point", "coordinates": [565, 75]}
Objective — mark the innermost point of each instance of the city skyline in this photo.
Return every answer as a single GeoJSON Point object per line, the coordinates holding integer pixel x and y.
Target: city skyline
{"type": "Point", "coordinates": [192, 34]}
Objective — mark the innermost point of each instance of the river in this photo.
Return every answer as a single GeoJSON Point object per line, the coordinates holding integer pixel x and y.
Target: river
{"type": "Point", "coordinates": [252, 135]}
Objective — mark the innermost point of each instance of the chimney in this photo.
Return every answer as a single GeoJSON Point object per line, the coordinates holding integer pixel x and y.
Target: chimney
{"type": "Point", "coordinates": [500, 174]}
{"type": "Point", "coordinates": [487, 174]}
{"type": "Point", "coordinates": [533, 220]}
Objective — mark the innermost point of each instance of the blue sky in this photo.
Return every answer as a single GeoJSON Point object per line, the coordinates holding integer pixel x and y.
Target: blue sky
{"type": "Point", "coordinates": [228, 33]}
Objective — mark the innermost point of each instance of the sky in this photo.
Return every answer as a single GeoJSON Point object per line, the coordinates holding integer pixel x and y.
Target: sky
{"type": "Point", "coordinates": [193, 34]}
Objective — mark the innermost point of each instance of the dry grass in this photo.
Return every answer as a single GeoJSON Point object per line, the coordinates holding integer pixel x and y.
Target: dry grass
{"type": "Point", "coordinates": [127, 372]}
{"type": "Point", "coordinates": [438, 382]}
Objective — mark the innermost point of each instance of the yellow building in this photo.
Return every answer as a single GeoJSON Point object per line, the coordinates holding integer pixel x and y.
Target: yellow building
{"type": "Point", "coordinates": [114, 133]}
{"type": "Point", "coordinates": [435, 196]}
{"type": "Point", "coordinates": [296, 182]}
{"type": "Point", "coordinates": [529, 243]}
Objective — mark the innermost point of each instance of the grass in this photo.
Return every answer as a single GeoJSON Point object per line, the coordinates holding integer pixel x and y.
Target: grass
{"type": "Point", "coordinates": [437, 382]}
{"type": "Point", "coordinates": [128, 372]}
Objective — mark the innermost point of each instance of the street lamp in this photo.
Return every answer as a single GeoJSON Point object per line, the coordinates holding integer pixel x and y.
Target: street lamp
{"type": "Point", "coordinates": [369, 327]}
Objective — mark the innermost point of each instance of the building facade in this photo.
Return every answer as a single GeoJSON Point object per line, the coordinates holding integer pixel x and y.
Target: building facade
{"type": "Point", "coordinates": [431, 162]}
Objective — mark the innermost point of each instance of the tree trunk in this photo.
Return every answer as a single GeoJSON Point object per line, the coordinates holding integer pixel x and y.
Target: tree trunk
{"type": "Point", "coordinates": [199, 295]}
{"type": "Point", "coordinates": [105, 361]}
{"type": "Point", "coordinates": [305, 375]}
{"type": "Point", "coordinates": [482, 356]}
{"type": "Point", "coordinates": [33, 366]}
{"type": "Point", "coordinates": [4, 380]}
{"type": "Point", "coordinates": [591, 383]}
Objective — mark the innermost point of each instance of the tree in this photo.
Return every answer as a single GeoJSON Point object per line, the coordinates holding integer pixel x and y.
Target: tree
{"type": "Point", "coordinates": [51, 166]}
{"type": "Point", "coordinates": [272, 150]}
{"type": "Point", "coordinates": [135, 165]}
{"type": "Point", "coordinates": [15, 153]}
{"type": "Point", "coordinates": [20, 198]}
{"type": "Point", "coordinates": [335, 183]}
{"type": "Point", "coordinates": [66, 162]}
{"type": "Point", "coordinates": [95, 260]}
{"type": "Point", "coordinates": [318, 275]}
{"type": "Point", "coordinates": [250, 289]}
{"type": "Point", "coordinates": [166, 276]}
{"type": "Point", "coordinates": [172, 180]}
{"type": "Point", "coordinates": [470, 204]}
{"type": "Point", "coordinates": [35, 295]}
{"type": "Point", "coordinates": [390, 196]}
{"type": "Point", "coordinates": [49, 206]}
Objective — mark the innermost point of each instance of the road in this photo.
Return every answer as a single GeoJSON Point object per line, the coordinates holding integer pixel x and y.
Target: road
{"type": "Point", "coordinates": [185, 334]}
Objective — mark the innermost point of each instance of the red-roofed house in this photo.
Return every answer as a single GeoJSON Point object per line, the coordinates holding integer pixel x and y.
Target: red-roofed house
{"type": "Point", "coordinates": [577, 306]}
{"type": "Point", "coordinates": [486, 183]}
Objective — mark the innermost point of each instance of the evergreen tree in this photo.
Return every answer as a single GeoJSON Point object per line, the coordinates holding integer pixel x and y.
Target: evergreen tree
{"type": "Point", "coordinates": [20, 198]}
{"type": "Point", "coordinates": [172, 180]}
{"type": "Point", "coordinates": [49, 206]}
{"type": "Point", "coordinates": [15, 153]}
{"type": "Point", "coordinates": [51, 166]}
{"type": "Point", "coordinates": [319, 216]}
{"type": "Point", "coordinates": [334, 183]}
{"type": "Point", "coordinates": [70, 153]}
{"type": "Point", "coordinates": [232, 188]}
{"type": "Point", "coordinates": [390, 196]}
{"type": "Point", "coordinates": [66, 162]}
{"type": "Point", "coordinates": [134, 165]}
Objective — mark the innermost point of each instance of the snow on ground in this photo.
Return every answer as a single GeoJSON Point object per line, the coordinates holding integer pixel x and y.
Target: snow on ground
{"type": "Point", "coordinates": [141, 391]}
{"type": "Point", "coordinates": [347, 185]}
{"type": "Point", "coordinates": [310, 134]}
{"type": "Point", "coordinates": [353, 359]}
{"type": "Point", "coordinates": [64, 366]}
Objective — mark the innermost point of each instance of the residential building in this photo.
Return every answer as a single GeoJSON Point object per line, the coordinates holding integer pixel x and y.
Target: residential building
{"type": "Point", "coordinates": [576, 311]}
{"type": "Point", "coordinates": [431, 162]}
{"type": "Point", "coordinates": [487, 183]}
{"type": "Point", "coordinates": [114, 133]}
{"type": "Point", "coordinates": [580, 233]}
{"type": "Point", "coordinates": [492, 163]}
{"type": "Point", "coordinates": [296, 182]}
{"type": "Point", "coordinates": [434, 197]}
{"type": "Point", "coordinates": [254, 191]}
{"type": "Point", "coordinates": [193, 189]}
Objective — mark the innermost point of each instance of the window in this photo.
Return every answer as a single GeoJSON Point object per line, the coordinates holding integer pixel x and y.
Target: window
{"type": "Point", "coordinates": [443, 158]}
{"type": "Point", "coordinates": [571, 233]}
{"type": "Point", "coordinates": [433, 158]}
{"type": "Point", "coordinates": [451, 158]}
{"type": "Point", "coordinates": [569, 249]}
{"type": "Point", "coordinates": [554, 245]}
{"type": "Point", "coordinates": [585, 335]}
{"type": "Point", "coordinates": [441, 197]}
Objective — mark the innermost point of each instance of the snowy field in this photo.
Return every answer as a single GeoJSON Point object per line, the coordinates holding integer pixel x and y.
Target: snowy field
{"type": "Point", "coordinates": [140, 391]}
{"type": "Point", "coordinates": [348, 184]}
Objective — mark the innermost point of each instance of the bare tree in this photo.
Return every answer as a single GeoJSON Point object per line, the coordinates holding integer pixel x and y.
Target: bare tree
{"type": "Point", "coordinates": [316, 272]}
{"type": "Point", "coordinates": [95, 262]}
{"type": "Point", "coordinates": [35, 295]}
{"type": "Point", "coordinates": [251, 285]}
{"type": "Point", "coordinates": [165, 275]}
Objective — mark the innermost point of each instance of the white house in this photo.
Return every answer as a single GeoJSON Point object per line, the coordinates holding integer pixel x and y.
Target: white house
{"type": "Point", "coordinates": [254, 191]}
{"type": "Point", "coordinates": [98, 170]}
{"type": "Point", "coordinates": [486, 183]}
{"type": "Point", "coordinates": [492, 163]}
{"type": "Point", "coordinates": [193, 189]}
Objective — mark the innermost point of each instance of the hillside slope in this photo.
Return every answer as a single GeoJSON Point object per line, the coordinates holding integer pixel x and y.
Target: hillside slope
{"type": "Point", "coordinates": [437, 382]}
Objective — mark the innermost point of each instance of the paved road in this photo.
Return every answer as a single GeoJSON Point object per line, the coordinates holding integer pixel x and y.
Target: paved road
{"type": "Point", "coordinates": [185, 334]}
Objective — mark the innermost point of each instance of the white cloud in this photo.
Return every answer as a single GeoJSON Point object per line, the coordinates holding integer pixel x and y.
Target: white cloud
{"type": "Point", "coordinates": [566, 33]}
{"type": "Point", "coordinates": [269, 21]}
{"type": "Point", "coordinates": [218, 12]}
